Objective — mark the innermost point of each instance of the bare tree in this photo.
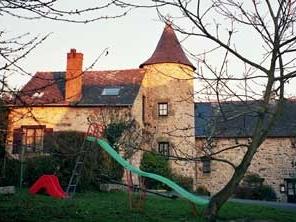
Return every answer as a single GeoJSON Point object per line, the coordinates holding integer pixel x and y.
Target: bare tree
{"type": "Point", "coordinates": [268, 68]}
{"type": "Point", "coordinates": [222, 23]}
{"type": "Point", "coordinates": [14, 49]}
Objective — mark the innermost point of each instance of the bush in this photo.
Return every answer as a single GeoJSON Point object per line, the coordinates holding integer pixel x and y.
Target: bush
{"type": "Point", "coordinates": [158, 164]}
{"type": "Point", "coordinates": [252, 180]}
{"type": "Point", "coordinates": [11, 172]}
{"type": "Point", "coordinates": [114, 131]}
{"type": "Point", "coordinates": [267, 193]}
{"type": "Point", "coordinates": [201, 190]}
{"type": "Point", "coordinates": [264, 192]}
{"type": "Point", "coordinates": [252, 188]}
{"type": "Point", "coordinates": [64, 148]}
{"type": "Point", "coordinates": [155, 163]}
{"type": "Point", "coordinates": [32, 169]}
{"type": "Point", "coordinates": [183, 181]}
{"type": "Point", "coordinates": [108, 166]}
{"type": "Point", "coordinates": [35, 167]}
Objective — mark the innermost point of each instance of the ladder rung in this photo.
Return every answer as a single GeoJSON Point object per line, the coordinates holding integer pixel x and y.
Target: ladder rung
{"type": "Point", "coordinates": [78, 167]}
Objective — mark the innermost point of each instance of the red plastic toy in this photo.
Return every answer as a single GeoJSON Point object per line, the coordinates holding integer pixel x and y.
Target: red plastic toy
{"type": "Point", "coordinates": [51, 185]}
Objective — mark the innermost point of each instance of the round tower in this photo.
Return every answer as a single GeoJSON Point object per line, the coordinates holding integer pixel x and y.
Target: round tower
{"type": "Point", "coordinates": [168, 102]}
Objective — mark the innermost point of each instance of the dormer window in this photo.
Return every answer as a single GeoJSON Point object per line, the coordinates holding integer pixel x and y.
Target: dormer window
{"type": "Point", "coordinates": [114, 91]}
{"type": "Point", "coordinates": [162, 109]}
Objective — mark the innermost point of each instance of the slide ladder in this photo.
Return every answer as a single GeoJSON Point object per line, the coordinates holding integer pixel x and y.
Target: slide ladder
{"type": "Point", "coordinates": [93, 130]}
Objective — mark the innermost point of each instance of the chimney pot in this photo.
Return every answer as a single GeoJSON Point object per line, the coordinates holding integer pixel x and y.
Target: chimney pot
{"type": "Point", "coordinates": [73, 51]}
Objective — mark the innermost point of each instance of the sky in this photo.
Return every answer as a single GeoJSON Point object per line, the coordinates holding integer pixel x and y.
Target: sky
{"type": "Point", "coordinates": [130, 41]}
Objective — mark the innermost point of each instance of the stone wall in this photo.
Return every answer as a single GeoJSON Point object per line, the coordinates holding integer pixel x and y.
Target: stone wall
{"type": "Point", "coordinates": [58, 118]}
{"type": "Point", "coordinates": [173, 84]}
{"type": "Point", "coordinates": [273, 162]}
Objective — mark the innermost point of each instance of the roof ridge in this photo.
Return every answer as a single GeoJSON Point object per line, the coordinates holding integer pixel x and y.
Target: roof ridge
{"type": "Point", "coordinates": [116, 70]}
{"type": "Point", "coordinates": [106, 70]}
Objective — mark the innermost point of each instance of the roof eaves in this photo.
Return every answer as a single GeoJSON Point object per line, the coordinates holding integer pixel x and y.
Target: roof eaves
{"type": "Point", "coordinates": [70, 105]}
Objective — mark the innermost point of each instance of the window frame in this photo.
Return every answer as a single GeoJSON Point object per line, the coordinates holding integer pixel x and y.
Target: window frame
{"type": "Point", "coordinates": [164, 109]}
{"type": "Point", "coordinates": [36, 147]}
{"type": "Point", "coordinates": [164, 148]}
{"type": "Point", "coordinates": [206, 165]}
{"type": "Point", "coordinates": [111, 91]}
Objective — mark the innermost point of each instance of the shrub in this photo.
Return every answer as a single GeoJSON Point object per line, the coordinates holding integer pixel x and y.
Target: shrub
{"type": "Point", "coordinates": [158, 164]}
{"type": "Point", "coordinates": [252, 180]}
{"type": "Point", "coordinates": [264, 192]}
{"type": "Point", "coordinates": [108, 166]}
{"type": "Point", "coordinates": [11, 172]}
{"type": "Point", "coordinates": [267, 193]}
{"type": "Point", "coordinates": [114, 131]}
{"type": "Point", "coordinates": [201, 190]}
{"type": "Point", "coordinates": [35, 167]}
{"type": "Point", "coordinates": [252, 188]}
{"type": "Point", "coordinates": [32, 169]}
{"type": "Point", "coordinates": [183, 181]}
{"type": "Point", "coordinates": [245, 193]}
{"type": "Point", "coordinates": [57, 163]}
{"type": "Point", "coordinates": [155, 163]}
{"type": "Point", "coordinates": [64, 148]}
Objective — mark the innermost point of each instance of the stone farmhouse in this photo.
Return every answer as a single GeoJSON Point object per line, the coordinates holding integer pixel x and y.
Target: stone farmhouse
{"type": "Point", "coordinates": [159, 96]}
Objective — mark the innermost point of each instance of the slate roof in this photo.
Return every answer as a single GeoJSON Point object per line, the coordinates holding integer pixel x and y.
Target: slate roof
{"type": "Point", "coordinates": [240, 119]}
{"type": "Point", "coordinates": [168, 50]}
{"type": "Point", "coordinates": [50, 86]}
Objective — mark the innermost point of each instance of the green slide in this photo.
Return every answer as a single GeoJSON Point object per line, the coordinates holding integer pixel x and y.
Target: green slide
{"type": "Point", "coordinates": [184, 193]}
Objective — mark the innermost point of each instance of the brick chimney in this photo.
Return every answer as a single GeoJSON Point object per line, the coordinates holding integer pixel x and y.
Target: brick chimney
{"type": "Point", "coordinates": [74, 74]}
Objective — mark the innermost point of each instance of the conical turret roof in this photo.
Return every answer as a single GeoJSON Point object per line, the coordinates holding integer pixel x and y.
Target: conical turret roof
{"type": "Point", "coordinates": [168, 50]}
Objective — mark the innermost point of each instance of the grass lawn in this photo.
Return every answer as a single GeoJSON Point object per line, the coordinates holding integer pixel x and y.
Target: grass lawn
{"type": "Point", "coordinates": [114, 207]}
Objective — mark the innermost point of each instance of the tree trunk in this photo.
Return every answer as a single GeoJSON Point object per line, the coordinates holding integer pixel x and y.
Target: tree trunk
{"type": "Point", "coordinates": [223, 195]}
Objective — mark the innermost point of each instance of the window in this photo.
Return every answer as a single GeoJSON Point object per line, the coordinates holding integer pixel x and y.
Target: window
{"type": "Point", "coordinates": [164, 148]}
{"type": "Point", "coordinates": [111, 91]}
{"type": "Point", "coordinates": [291, 190]}
{"type": "Point", "coordinates": [37, 94]}
{"type": "Point", "coordinates": [32, 139]}
{"type": "Point", "coordinates": [162, 109]}
{"type": "Point", "coordinates": [206, 165]}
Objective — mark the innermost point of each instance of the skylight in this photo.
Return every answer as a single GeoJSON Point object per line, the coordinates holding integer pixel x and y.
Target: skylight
{"type": "Point", "coordinates": [37, 94]}
{"type": "Point", "coordinates": [114, 91]}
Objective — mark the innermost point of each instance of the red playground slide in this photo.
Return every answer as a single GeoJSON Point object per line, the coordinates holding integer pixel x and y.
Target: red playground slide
{"type": "Point", "coordinates": [51, 185]}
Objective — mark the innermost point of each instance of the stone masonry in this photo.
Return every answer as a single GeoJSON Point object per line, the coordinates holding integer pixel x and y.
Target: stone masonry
{"type": "Point", "coordinates": [273, 162]}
